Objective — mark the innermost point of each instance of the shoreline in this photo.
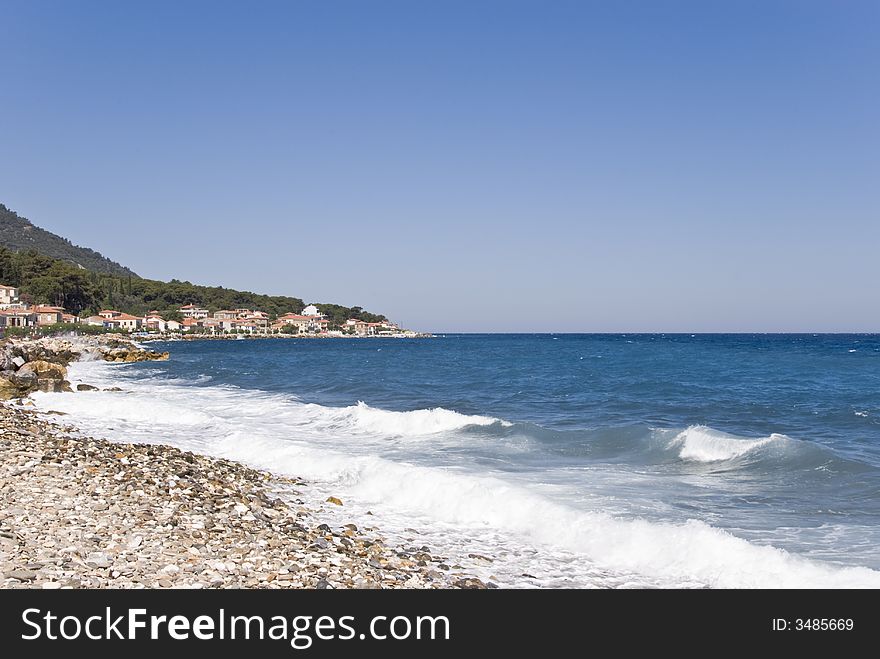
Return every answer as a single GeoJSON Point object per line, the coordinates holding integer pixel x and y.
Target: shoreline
{"type": "Point", "coordinates": [83, 512]}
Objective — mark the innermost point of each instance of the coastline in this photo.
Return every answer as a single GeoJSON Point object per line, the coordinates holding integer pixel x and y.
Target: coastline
{"type": "Point", "coordinates": [82, 512]}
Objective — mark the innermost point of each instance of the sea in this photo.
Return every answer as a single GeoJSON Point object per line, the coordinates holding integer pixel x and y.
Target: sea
{"type": "Point", "coordinates": [546, 460]}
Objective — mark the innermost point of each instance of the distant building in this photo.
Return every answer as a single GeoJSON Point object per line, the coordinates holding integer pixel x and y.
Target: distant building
{"type": "Point", "coordinates": [48, 315]}
{"type": "Point", "coordinates": [360, 327]}
{"type": "Point", "coordinates": [8, 296]}
{"type": "Point", "coordinates": [17, 318]}
{"type": "Point", "coordinates": [109, 313]}
{"type": "Point", "coordinates": [125, 322]}
{"type": "Point", "coordinates": [154, 322]}
{"type": "Point", "coordinates": [303, 323]}
{"type": "Point", "coordinates": [190, 323]}
{"type": "Point", "coordinates": [69, 318]}
{"type": "Point", "coordinates": [312, 310]}
{"type": "Point", "coordinates": [192, 311]}
{"type": "Point", "coordinates": [226, 314]}
{"type": "Point", "coordinates": [95, 321]}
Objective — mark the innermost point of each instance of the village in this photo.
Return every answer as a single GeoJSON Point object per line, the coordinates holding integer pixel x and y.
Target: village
{"type": "Point", "coordinates": [194, 321]}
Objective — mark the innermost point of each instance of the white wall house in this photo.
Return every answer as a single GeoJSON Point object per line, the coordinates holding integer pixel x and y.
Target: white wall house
{"type": "Point", "coordinates": [8, 296]}
{"type": "Point", "coordinates": [192, 311]}
{"type": "Point", "coordinates": [311, 310]}
{"type": "Point", "coordinates": [125, 322]}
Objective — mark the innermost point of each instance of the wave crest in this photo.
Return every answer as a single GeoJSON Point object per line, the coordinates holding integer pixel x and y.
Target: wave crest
{"type": "Point", "coordinates": [705, 444]}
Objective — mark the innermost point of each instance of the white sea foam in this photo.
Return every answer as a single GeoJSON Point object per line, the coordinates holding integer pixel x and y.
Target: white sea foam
{"type": "Point", "coordinates": [705, 444]}
{"type": "Point", "coordinates": [414, 422]}
{"type": "Point", "coordinates": [528, 525]}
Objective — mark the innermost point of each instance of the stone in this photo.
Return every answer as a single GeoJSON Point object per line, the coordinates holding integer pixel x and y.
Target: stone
{"type": "Point", "coordinates": [334, 500]}
{"type": "Point", "coordinates": [18, 362]}
{"type": "Point", "coordinates": [8, 389]}
{"type": "Point", "coordinates": [21, 575]}
{"type": "Point", "coordinates": [45, 370]}
{"type": "Point", "coordinates": [86, 387]}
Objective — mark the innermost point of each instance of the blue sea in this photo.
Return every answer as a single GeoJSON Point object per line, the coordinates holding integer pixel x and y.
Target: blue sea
{"type": "Point", "coordinates": [642, 460]}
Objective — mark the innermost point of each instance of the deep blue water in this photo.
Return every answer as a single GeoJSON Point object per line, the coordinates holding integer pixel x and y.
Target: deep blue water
{"type": "Point", "coordinates": [774, 439]}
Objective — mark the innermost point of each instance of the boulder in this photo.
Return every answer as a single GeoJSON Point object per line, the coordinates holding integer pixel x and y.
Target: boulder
{"type": "Point", "coordinates": [45, 370]}
{"type": "Point", "coordinates": [8, 389]}
{"type": "Point", "coordinates": [54, 386]}
{"type": "Point", "coordinates": [24, 379]}
{"type": "Point", "coordinates": [18, 362]}
{"type": "Point", "coordinates": [86, 387]}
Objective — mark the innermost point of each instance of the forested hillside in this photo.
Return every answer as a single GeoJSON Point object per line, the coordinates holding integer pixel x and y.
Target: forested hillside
{"type": "Point", "coordinates": [18, 234]}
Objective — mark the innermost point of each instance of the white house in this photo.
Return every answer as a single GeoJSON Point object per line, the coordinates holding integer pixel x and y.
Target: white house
{"type": "Point", "coordinates": [155, 322]}
{"type": "Point", "coordinates": [312, 310]}
{"type": "Point", "coordinates": [125, 322]}
{"type": "Point", "coordinates": [8, 296]}
{"type": "Point", "coordinates": [192, 311]}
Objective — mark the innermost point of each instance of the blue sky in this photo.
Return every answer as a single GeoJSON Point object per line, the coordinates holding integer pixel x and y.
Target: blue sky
{"type": "Point", "coordinates": [470, 166]}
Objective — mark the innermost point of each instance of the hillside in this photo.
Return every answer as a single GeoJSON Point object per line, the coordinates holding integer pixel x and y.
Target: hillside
{"type": "Point", "coordinates": [83, 281]}
{"type": "Point", "coordinates": [18, 234]}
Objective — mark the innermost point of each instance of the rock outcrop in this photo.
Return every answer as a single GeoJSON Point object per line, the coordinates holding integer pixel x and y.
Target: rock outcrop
{"type": "Point", "coordinates": [28, 365]}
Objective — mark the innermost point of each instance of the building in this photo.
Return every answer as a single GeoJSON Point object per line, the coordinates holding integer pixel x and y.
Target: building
{"type": "Point", "coordinates": [312, 310]}
{"type": "Point", "coordinates": [226, 314]}
{"type": "Point", "coordinates": [17, 318]}
{"type": "Point", "coordinates": [48, 315]}
{"type": "Point", "coordinates": [125, 322]}
{"type": "Point", "coordinates": [172, 326]}
{"type": "Point", "coordinates": [95, 321]}
{"type": "Point", "coordinates": [154, 322]}
{"type": "Point", "coordinates": [8, 296]}
{"type": "Point", "coordinates": [297, 321]}
{"type": "Point", "coordinates": [303, 323]}
{"type": "Point", "coordinates": [212, 324]}
{"type": "Point", "coordinates": [190, 324]}
{"type": "Point", "coordinates": [358, 327]}
{"type": "Point", "coordinates": [248, 326]}
{"type": "Point", "coordinates": [192, 311]}
{"type": "Point", "coordinates": [109, 314]}
{"type": "Point", "coordinates": [258, 318]}
{"type": "Point", "coordinates": [69, 318]}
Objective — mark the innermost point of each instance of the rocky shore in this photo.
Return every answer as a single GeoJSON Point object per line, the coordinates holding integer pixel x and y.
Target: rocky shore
{"type": "Point", "coordinates": [77, 512]}
{"type": "Point", "coordinates": [41, 365]}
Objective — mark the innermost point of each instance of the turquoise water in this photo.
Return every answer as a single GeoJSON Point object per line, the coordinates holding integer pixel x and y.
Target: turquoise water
{"type": "Point", "coordinates": [577, 460]}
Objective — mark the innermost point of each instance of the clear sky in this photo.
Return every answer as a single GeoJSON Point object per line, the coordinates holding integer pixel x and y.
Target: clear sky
{"type": "Point", "coordinates": [465, 165]}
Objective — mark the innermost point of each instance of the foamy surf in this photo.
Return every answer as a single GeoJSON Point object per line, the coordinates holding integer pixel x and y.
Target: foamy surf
{"type": "Point", "coordinates": [530, 526]}
{"type": "Point", "coordinates": [704, 444]}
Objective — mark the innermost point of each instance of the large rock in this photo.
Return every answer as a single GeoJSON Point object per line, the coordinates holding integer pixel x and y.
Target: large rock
{"type": "Point", "coordinates": [54, 386]}
{"type": "Point", "coordinates": [45, 370]}
{"type": "Point", "coordinates": [8, 389]}
{"type": "Point", "coordinates": [130, 355]}
{"type": "Point", "coordinates": [25, 380]}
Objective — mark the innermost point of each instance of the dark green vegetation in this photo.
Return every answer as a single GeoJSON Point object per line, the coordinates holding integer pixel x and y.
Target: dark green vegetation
{"type": "Point", "coordinates": [18, 234]}
{"type": "Point", "coordinates": [46, 279]}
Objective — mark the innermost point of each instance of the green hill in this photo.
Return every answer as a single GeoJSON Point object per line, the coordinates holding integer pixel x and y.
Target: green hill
{"type": "Point", "coordinates": [84, 286]}
{"type": "Point", "coordinates": [18, 234]}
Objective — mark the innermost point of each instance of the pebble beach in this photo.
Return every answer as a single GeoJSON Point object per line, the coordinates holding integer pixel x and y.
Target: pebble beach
{"type": "Point", "coordinates": [78, 512]}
